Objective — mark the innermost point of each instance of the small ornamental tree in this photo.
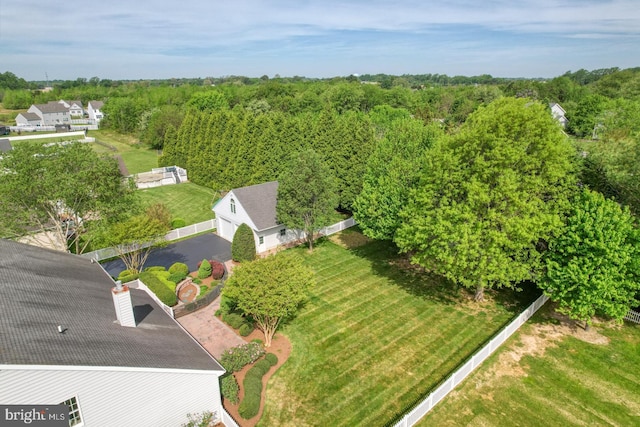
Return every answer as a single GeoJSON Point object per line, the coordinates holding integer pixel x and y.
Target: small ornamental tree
{"type": "Point", "coordinates": [243, 246]}
{"type": "Point", "coordinates": [592, 267]}
{"type": "Point", "coordinates": [204, 270]}
{"type": "Point", "coordinates": [270, 289]}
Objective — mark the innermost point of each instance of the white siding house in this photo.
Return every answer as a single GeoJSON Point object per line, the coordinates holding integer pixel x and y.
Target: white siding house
{"type": "Point", "coordinates": [255, 206]}
{"type": "Point", "coordinates": [558, 113]}
{"type": "Point", "coordinates": [94, 110]}
{"type": "Point", "coordinates": [29, 119]}
{"type": "Point", "coordinates": [75, 107]}
{"type": "Point", "coordinates": [69, 335]}
{"type": "Point", "coordinates": [51, 114]}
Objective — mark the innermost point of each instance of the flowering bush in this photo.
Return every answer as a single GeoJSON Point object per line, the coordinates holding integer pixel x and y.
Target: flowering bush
{"type": "Point", "coordinates": [238, 357]}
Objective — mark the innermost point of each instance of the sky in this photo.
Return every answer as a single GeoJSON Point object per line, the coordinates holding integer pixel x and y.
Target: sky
{"type": "Point", "coordinates": [159, 39]}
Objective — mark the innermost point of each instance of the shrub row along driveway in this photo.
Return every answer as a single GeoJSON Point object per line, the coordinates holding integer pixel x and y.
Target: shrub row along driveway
{"type": "Point", "coordinates": [190, 252]}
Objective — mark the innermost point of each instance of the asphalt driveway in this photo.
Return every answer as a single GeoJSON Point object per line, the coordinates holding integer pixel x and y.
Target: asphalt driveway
{"type": "Point", "coordinates": [190, 252]}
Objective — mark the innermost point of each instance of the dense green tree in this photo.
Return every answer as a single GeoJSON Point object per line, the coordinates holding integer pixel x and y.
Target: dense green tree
{"type": "Point", "coordinates": [393, 169]}
{"type": "Point", "coordinates": [158, 123]}
{"type": "Point", "coordinates": [133, 239]}
{"type": "Point", "coordinates": [306, 195]}
{"type": "Point", "coordinates": [243, 246]}
{"type": "Point", "coordinates": [56, 190]}
{"type": "Point", "coordinates": [592, 266]}
{"type": "Point", "coordinates": [587, 116]}
{"type": "Point", "coordinates": [488, 195]}
{"type": "Point", "coordinates": [208, 101]}
{"type": "Point", "coordinates": [270, 290]}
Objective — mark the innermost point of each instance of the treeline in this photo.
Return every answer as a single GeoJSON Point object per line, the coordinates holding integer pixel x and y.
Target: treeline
{"type": "Point", "coordinates": [225, 149]}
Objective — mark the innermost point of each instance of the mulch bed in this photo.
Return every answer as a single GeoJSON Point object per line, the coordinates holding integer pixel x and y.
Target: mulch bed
{"type": "Point", "coordinates": [281, 347]}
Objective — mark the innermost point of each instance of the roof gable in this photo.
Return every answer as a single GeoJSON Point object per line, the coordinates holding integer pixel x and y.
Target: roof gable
{"type": "Point", "coordinates": [259, 202]}
{"type": "Point", "coordinates": [41, 289]}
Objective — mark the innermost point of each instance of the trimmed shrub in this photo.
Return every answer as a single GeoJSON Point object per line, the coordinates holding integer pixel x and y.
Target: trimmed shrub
{"type": "Point", "coordinates": [236, 358]}
{"type": "Point", "coordinates": [177, 277]}
{"type": "Point", "coordinates": [217, 270]}
{"type": "Point", "coordinates": [204, 270]}
{"type": "Point", "coordinates": [271, 358]}
{"type": "Point", "coordinates": [126, 279]}
{"type": "Point", "coordinates": [249, 407]}
{"type": "Point", "coordinates": [197, 281]}
{"type": "Point", "coordinates": [252, 382]}
{"type": "Point", "coordinates": [262, 366]}
{"type": "Point", "coordinates": [243, 246]}
{"type": "Point", "coordinates": [179, 267]}
{"type": "Point", "coordinates": [155, 268]}
{"type": "Point", "coordinates": [245, 330]}
{"type": "Point", "coordinates": [178, 223]}
{"type": "Point", "coordinates": [158, 287]}
{"type": "Point", "coordinates": [227, 305]}
{"type": "Point", "coordinates": [230, 389]}
{"type": "Point", "coordinates": [234, 320]}
{"type": "Point", "coordinates": [124, 273]}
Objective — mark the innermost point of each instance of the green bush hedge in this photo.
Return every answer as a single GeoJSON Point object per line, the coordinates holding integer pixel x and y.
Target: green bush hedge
{"type": "Point", "coordinates": [155, 268]}
{"type": "Point", "coordinates": [245, 330]}
{"type": "Point", "coordinates": [250, 405]}
{"type": "Point", "coordinates": [236, 358]}
{"type": "Point", "coordinates": [262, 366]}
{"type": "Point", "coordinates": [243, 246]}
{"type": "Point", "coordinates": [204, 270]}
{"type": "Point", "coordinates": [179, 267]}
{"type": "Point", "coordinates": [230, 389]}
{"type": "Point", "coordinates": [177, 277]}
{"type": "Point", "coordinates": [158, 287]}
{"type": "Point", "coordinates": [271, 358]}
{"type": "Point", "coordinates": [234, 320]}
{"type": "Point", "coordinates": [178, 223]}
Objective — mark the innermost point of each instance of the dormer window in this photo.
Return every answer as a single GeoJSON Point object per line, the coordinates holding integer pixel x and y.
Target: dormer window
{"type": "Point", "coordinates": [233, 206]}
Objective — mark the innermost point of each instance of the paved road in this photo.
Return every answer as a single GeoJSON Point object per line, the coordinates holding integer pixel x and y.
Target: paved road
{"type": "Point", "coordinates": [190, 252]}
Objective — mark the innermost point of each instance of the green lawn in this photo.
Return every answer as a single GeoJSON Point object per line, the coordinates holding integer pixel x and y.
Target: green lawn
{"type": "Point", "coordinates": [373, 338]}
{"type": "Point", "coordinates": [573, 382]}
{"type": "Point", "coordinates": [136, 157]}
{"type": "Point", "coordinates": [188, 201]}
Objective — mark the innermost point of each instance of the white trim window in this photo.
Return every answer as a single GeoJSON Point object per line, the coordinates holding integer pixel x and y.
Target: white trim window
{"type": "Point", "coordinates": [232, 206]}
{"type": "Point", "coordinates": [261, 240]}
{"type": "Point", "coordinates": [75, 416]}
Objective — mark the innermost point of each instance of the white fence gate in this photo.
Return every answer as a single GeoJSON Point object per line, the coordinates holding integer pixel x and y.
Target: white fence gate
{"type": "Point", "coordinates": [463, 371]}
{"type": "Point", "coordinates": [632, 316]}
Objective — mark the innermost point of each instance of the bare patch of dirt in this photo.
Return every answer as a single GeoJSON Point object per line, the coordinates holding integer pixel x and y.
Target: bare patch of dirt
{"type": "Point", "coordinates": [349, 239]}
{"type": "Point", "coordinates": [281, 347]}
{"type": "Point", "coordinates": [535, 343]}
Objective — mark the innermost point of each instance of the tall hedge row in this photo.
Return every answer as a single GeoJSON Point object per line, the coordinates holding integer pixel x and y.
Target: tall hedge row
{"type": "Point", "coordinates": [166, 295]}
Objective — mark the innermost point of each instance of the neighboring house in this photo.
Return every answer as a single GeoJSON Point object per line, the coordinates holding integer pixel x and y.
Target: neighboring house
{"type": "Point", "coordinates": [51, 114]}
{"type": "Point", "coordinates": [29, 119]}
{"type": "Point", "coordinates": [75, 107]}
{"type": "Point", "coordinates": [255, 206]}
{"type": "Point", "coordinates": [94, 110]}
{"type": "Point", "coordinates": [5, 145]}
{"type": "Point", "coordinates": [559, 114]}
{"type": "Point", "coordinates": [70, 335]}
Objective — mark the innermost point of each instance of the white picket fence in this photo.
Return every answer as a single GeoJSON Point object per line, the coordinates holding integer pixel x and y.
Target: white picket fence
{"type": "Point", "coordinates": [176, 234]}
{"type": "Point", "coordinates": [463, 371]}
{"type": "Point", "coordinates": [339, 226]}
{"type": "Point", "coordinates": [632, 316]}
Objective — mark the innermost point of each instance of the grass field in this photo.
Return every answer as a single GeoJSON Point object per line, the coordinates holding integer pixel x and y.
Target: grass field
{"type": "Point", "coordinates": [136, 157]}
{"type": "Point", "coordinates": [188, 201]}
{"type": "Point", "coordinates": [373, 338]}
{"type": "Point", "coordinates": [559, 377]}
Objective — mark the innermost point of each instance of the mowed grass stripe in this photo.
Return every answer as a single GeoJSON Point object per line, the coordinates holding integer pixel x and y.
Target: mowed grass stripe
{"type": "Point", "coordinates": [370, 340]}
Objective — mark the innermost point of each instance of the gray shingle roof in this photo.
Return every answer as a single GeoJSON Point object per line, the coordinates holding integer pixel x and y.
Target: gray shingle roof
{"type": "Point", "coordinates": [41, 289]}
{"type": "Point", "coordinates": [259, 201]}
{"type": "Point", "coordinates": [53, 107]}
{"type": "Point", "coordinates": [31, 116]}
{"type": "Point", "coordinates": [96, 105]}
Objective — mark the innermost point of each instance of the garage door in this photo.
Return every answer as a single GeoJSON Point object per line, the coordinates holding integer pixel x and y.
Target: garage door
{"type": "Point", "coordinates": [226, 229]}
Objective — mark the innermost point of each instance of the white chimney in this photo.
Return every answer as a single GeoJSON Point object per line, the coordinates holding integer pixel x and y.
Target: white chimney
{"type": "Point", "coordinates": [123, 305]}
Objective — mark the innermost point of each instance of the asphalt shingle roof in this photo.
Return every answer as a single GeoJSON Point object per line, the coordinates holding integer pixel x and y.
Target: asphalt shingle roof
{"type": "Point", "coordinates": [31, 116]}
{"type": "Point", "coordinates": [51, 108]}
{"type": "Point", "coordinates": [259, 201]}
{"type": "Point", "coordinates": [41, 289]}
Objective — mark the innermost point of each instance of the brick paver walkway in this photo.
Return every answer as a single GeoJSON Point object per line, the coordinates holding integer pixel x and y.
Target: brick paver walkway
{"type": "Point", "coordinates": [211, 333]}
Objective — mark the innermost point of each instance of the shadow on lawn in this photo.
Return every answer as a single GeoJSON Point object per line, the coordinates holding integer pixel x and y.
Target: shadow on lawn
{"type": "Point", "coordinates": [385, 261]}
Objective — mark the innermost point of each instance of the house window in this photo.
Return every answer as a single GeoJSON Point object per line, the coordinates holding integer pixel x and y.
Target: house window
{"type": "Point", "coordinates": [283, 232]}
{"type": "Point", "coordinates": [261, 240]}
{"type": "Point", "coordinates": [233, 206]}
{"type": "Point", "coordinates": [74, 411]}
